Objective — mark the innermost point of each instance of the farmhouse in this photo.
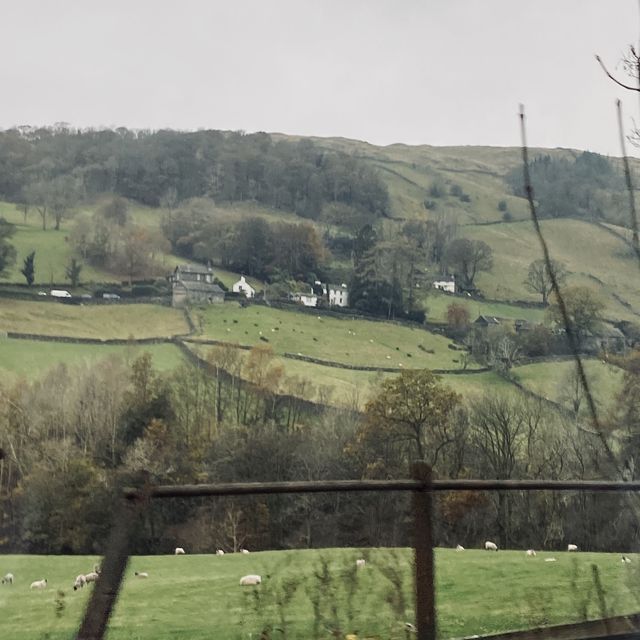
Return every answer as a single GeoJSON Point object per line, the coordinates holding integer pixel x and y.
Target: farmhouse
{"type": "Point", "coordinates": [307, 299]}
{"type": "Point", "coordinates": [242, 286]}
{"type": "Point", "coordinates": [486, 321]}
{"type": "Point", "coordinates": [445, 284]}
{"type": "Point", "coordinates": [194, 284]}
{"type": "Point", "coordinates": [337, 294]}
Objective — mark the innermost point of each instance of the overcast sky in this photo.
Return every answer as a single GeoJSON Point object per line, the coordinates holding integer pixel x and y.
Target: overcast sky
{"type": "Point", "coordinates": [440, 72]}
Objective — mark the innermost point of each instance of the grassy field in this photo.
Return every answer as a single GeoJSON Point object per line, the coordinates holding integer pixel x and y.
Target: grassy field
{"type": "Point", "coordinates": [437, 304]}
{"type": "Point", "coordinates": [593, 256]}
{"type": "Point", "coordinates": [91, 321]}
{"type": "Point", "coordinates": [32, 359]}
{"type": "Point", "coordinates": [345, 340]}
{"type": "Point", "coordinates": [199, 597]}
{"type": "Point", "coordinates": [549, 379]}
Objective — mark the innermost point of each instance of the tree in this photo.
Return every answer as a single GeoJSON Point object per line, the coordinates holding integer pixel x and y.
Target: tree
{"type": "Point", "coordinates": [584, 308]}
{"type": "Point", "coordinates": [28, 270]}
{"type": "Point", "coordinates": [467, 257]}
{"type": "Point", "coordinates": [72, 271]}
{"type": "Point", "coordinates": [38, 195]}
{"type": "Point", "coordinates": [116, 210]}
{"type": "Point", "coordinates": [7, 250]}
{"type": "Point", "coordinates": [458, 318]}
{"type": "Point", "coordinates": [64, 196]}
{"type": "Point", "coordinates": [414, 412]}
{"type": "Point", "coordinates": [539, 279]}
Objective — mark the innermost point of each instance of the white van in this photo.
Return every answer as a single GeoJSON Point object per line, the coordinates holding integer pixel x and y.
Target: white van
{"type": "Point", "coordinates": [60, 293]}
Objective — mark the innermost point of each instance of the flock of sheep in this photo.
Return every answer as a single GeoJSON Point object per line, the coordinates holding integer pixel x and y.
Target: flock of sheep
{"type": "Point", "coordinates": [84, 579]}
{"type": "Point", "coordinates": [530, 553]}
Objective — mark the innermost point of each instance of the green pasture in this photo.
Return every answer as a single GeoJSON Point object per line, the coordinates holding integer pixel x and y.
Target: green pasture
{"type": "Point", "coordinates": [437, 304]}
{"type": "Point", "coordinates": [91, 321]}
{"type": "Point", "coordinates": [552, 380]}
{"type": "Point", "coordinates": [32, 359]}
{"type": "Point", "coordinates": [345, 340]}
{"type": "Point", "coordinates": [199, 597]}
{"type": "Point", "coordinates": [593, 256]}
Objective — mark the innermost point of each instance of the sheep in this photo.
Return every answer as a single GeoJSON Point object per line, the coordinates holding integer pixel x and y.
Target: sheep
{"type": "Point", "coordinates": [244, 550]}
{"type": "Point", "coordinates": [219, 552]}
{"type": "Point", "coordinates": [79, 582]}
{"type": "Point", "coordinates": [141, 574]}
{"type": "Point", "coordinates": [39, 584]}
{"type": "Point", "coordinates": [626, 560]}
{"type": "Point", "coordinates": [179, 551]}
{"type": "Point", "coordinates": [360, 562]}
{"type": "Point", "coordinates": [92, 576]}
{"type": "Point", "coordinates": [459, 547]}
{"type": "Point", "coordinates": [572, 547]}
{"type": "Point", "coordinates": [550, 560]}
{"type": "Point", "coordinates": [490, 546]}
{"type": "Point", "coordinates": [531, 553]}
{"type": "Point", "coordinates": [250, 581]}
{"type": "Point", "coordinates": [8, 578]}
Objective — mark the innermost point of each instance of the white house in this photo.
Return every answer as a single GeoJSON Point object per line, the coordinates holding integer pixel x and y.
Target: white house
{"type": "Point", "coordinates": [448, 285]}
{"type": "Point", "coordinates": [338, 295]}
{"type": "Point", "coordinates": [242, 286]}
{"type": "Point", "coordinates": [307, 299]}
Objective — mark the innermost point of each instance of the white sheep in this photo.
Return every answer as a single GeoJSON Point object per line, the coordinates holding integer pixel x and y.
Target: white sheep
{"type": "Point", "coordinates": [79, 582]}
{"type": "Point", "coordinates": [8, 578]}
{"type": "Point", "coordinates": [550, 560]}
{"type": "Point", "coordinates": [572, 547]}
{"type": "Point", "coordinates": [244, 550]}
{"type": "Point", "coordinates": [626, 560]}
{"type": "Point", "coordinates": [141, 574]}
{"type": "Point", "coordinates": [459, 547]}
{"type": "Point", "coordinates": [531, 553]}
{"type": "Point", "coordinates": [92, 576]}
{"type": "Point", "coordinates": [360, 562]}
{"type": "Point", "coordinates": [39, 584]}
{"type": "Point", "coordinates": [490, 546]}
{"type": "Point", "coordinates": [179, 551]}
{"type": "Point", "coordinates": [219, 552]}
{"type": "Point", "coordinates": [250, 581]}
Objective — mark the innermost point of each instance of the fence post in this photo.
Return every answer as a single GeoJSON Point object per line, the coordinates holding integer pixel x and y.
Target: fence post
{"type": "Point", "coordinates": [114, 564]}
{"type": "Point", "coordinates": [423, 544]}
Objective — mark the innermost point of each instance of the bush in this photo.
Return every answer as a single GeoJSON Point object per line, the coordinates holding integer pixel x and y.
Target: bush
{"type": "Point", "coordinates": [436, 191]}
{"type": "Point", "coordinates": [144, 291]}
{"type": "Point", "coordinates": [456, 190]}
{"type": "Point", "coordinates": [465, 198]}
{"type": "Point", "coordinates": [430, 205]}
{"type": "Point", "coordinates": [507, 217]}
{"type": "Point", "coordinates": [416, 315]}
{"type": "Point", "coordinates": [502, 205]}
{"type": "Point", "coordinates": [221, 284]}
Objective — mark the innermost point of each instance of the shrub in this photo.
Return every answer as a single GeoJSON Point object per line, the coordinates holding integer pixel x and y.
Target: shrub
{"type": "Point", "coordinates": [465, 198]}
{"type": "Point", "coordinates": [502, 205]}
{"type": "Point", "coordinates": [456, 190]}
{"type": "Point", "coordinates": [430, 205]}
{"type": "Point", "coordinates": [436, 191]}
{"type": "Point", "coordinates": [507, 217]}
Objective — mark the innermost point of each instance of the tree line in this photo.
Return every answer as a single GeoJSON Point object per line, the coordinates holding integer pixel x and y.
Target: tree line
{"type": "Point", "coordinates": [50, 169]}
{"type": "Point", "coordinates": [74, 437]}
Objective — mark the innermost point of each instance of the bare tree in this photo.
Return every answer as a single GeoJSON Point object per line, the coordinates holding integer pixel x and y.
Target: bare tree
{"type": "Point", "coordinates": [539, 280]}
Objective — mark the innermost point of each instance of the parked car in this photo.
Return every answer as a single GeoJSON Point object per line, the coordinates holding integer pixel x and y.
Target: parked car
{"type": "Point", "coordinates": [86, 296]}
{"type": "Point", "coordinates": [60, 293]}
{"type": "Point", "coordinates": [110, 296]}
{"type": "Point", "coordinates": [42, 293]}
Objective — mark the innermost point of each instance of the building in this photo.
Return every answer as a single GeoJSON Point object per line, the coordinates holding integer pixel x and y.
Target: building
{"type": "Point", "coordinates": [193, 284]}
{"type": "Point", "coordinates": [486, 321]}
{"type": "Point", "coordinates": [242, 286]}
{"type": "Point", "coordinates": [338, 294]}
{"type": "Point", "coordinates": [307, 299]}
{"type": "Point", "coordinates": [445, 284]}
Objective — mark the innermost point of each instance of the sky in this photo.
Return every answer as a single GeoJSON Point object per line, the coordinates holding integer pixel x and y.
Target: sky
{"type": "Point", "coordinates": [438, 72]}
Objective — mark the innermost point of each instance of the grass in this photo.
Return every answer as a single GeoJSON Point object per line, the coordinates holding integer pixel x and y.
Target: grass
{"type": "Point", "coordinates": [31, 359]}
{"type": "Point", "coordinates": [199, 596]}
{"type": "Point", "coordinates": [347, 340]}
{"type": "Point", "coordinates": [549, 379]}
{"type": "Point", "coordinates": [437, 304]}
{"type": "Point", "coordinates": [593, 256]}
{"type": "Point", "coordinates": [91, 321]}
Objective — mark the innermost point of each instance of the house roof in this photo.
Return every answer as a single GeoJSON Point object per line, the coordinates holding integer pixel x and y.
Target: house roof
{"type": "Point", "coordinates": [194, 268]}
{"type": "Point", "coordinates": [202, 287]}
{"type": "Point", "coordinates": [486, 320]}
